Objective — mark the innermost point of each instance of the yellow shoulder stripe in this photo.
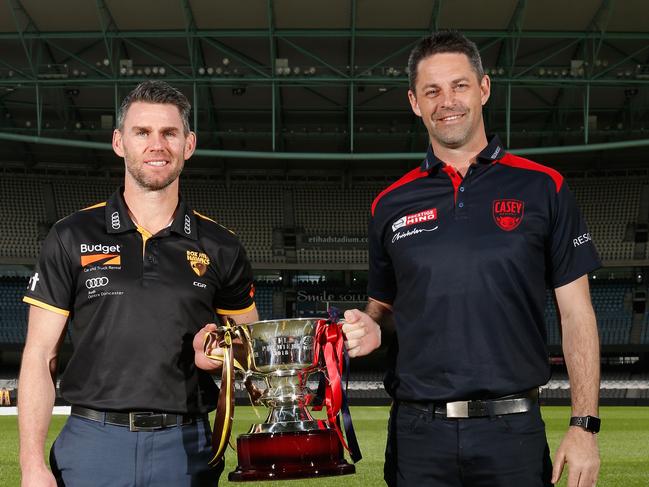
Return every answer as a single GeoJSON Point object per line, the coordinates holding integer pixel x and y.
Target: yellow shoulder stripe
{"type": "Point", "coordinates": [203, 216]}
{"type": "Point", "coordinates": [98, 205]}
{"type": "Point", "coordinates": [46, 306]}
{"type": "Point", "coordinates": [235, 311]}
{"type": "Point", "coordinates": [213, 221]}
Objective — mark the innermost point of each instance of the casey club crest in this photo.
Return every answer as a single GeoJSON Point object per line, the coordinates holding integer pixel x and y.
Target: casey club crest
{"type": "Point", "coordinates": [508, 214]}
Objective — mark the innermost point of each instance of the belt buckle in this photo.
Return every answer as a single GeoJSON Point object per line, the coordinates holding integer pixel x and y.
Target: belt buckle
{"type": "Point", "coordinates": [457, 409]}
{"type": "Point", "coordinates": [134, 416]}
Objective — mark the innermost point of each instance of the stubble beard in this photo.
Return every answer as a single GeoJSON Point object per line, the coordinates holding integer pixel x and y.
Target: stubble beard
{"type": "Point", "coordinates": [148, 182]}
{"type": "Point", "coordinates": [454, 138]}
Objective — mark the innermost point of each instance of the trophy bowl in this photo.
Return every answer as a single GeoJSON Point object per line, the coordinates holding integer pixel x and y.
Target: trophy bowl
{"type": "Point", "coordinates": [290, 443]}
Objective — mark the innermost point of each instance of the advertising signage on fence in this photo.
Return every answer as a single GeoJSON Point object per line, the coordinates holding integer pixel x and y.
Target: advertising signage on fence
{"type": "Point", "coordinates": [326, 296]}
{"type": "Point", "coordinates": [334, 241]}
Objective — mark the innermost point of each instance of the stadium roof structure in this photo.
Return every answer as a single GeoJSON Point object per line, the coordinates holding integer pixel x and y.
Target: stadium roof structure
{"type": "Point", "coordinates": [289, 84]}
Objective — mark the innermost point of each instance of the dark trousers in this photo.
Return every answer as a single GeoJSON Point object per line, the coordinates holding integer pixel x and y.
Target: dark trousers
{"type": "Point", "coordinates": [425, 450]}
{"type": "Point", "coordinates": [90, 453]}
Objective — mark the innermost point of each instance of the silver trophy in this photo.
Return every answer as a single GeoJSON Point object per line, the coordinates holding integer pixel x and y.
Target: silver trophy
{"type": "Point", "coordinates": [290, 443]}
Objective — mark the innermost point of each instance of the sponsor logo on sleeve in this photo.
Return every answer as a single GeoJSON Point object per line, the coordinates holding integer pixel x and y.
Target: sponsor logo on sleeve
{"type": "Point", "coordinates": [33, 281]}
{"type": "Point", "coordinates": [581, 239]}
{"type": "Point", "coordinates": [188, 225]}
{"type": "Point", "coordinates": [508, 213]}
{"type": "Point", "coordinates": [198, 261]}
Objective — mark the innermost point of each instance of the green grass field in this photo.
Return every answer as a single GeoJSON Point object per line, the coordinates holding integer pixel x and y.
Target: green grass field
{"type": "Point", "coordinates": [624, 446]}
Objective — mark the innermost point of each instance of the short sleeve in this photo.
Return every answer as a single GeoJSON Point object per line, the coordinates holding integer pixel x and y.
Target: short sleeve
{"type": "Point", "coordinates": [381, 280]}
{"type": "Point", "coordinates": [236, 294]}
{"type": "Point", "coordinates": [572, 251]}
{"type": "Point", "coordinates": [52, 285]}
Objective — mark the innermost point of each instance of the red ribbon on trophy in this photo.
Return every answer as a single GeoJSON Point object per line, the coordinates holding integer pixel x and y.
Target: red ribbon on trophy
{"type": "Point", "coordinates": [329, 347]}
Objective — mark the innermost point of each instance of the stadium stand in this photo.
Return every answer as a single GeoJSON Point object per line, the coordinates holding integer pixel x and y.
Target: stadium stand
{"type": "Point", "coordinates": [21, 210]}
{"type": "Point", "coordinates": [609, 205]}
{"type": "Point", "coordinates": [612, 305]}
{"type": "Point", "coordinates": [13, 317]}
{"type": "Point", "coordinates": [320, 209]}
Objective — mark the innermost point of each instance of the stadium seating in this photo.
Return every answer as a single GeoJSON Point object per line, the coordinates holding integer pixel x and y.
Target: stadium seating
{"type": "Point", "coordinates": [13, 318]}
{"type": "Point", "coordinates": [611, 302]}
{"type": "Point", "coordinates": [609, 205]}
{"type": "Point", "coordinates": [322, 209]}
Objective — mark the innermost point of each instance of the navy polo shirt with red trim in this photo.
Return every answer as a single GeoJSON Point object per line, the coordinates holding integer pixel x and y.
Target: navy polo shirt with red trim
{"type": "Point", "coordinates": [135, 302]}
{"type": "Point", "coordinates": [465, 262]}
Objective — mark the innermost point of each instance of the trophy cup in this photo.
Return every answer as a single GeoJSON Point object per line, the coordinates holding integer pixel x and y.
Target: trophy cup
{"type": "Point", "coordinates": [290, 443]}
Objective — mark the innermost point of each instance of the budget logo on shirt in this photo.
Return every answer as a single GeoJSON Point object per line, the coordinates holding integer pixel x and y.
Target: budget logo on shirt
{"type": "Point", "coordinates": [100, 254]}
{"type": "Point", "coordinates": [508, 214]}
{"type": "Point", "coordinates": [422, 216]}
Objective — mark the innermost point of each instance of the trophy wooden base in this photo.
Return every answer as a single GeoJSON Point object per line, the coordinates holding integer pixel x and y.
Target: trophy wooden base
{"type": "Point", "coordinates": [294, 455]}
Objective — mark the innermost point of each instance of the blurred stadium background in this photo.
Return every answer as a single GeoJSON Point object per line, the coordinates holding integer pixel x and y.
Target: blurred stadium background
{"type": "Point", "coordinates": [302, 118]}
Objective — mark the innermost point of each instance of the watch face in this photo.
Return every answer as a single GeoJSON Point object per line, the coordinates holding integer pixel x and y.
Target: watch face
{"type": "Point", "coordinates": [589, 423]}
{"type": "Point", "coordinates": [592, 424]}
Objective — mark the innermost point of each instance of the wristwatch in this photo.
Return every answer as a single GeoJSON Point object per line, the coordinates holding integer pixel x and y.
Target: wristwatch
{"type": "Point", "coordinates": [589, 423]}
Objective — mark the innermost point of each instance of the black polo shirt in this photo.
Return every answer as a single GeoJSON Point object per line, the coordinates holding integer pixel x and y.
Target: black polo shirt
{"type": "Point", "coordinates": [135, 302]}
{"type": "Point", "coordinates": [465, 263]}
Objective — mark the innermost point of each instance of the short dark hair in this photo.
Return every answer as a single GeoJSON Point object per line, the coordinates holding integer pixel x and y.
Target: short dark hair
{"type": "Point", "coordinates": [156, 91]}
{"type": "Point", "coordinates": [443, 41]}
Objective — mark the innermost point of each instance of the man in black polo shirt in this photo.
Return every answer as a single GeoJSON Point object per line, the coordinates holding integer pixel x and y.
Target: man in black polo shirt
{"type": "Point", "coordinates": [138, 278]}
{"type": "Point", "coordinates": [461, 250]}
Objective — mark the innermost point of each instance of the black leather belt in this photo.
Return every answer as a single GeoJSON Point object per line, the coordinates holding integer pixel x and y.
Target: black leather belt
{"type": "Point", "coordinates": [479, 408]}
{"type": "Point", "coordinates": [136, 420]}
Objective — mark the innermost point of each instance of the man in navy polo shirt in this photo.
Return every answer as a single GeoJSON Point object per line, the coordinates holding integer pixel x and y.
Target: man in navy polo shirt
{"type": "Point", "coordinates": [134, 280]}
{"type": "Point", "coordinates": [462, 249]}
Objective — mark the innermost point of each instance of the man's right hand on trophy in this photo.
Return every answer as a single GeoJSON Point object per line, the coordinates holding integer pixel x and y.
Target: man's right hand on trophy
{"type": "Point", "coordinates": [201, 359]}
{"type": "Point", "coordinates": [362, 333]}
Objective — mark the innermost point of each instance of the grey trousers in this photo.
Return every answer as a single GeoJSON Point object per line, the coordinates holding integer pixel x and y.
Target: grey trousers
{"type": "Point", "coordinates": [90, 453]}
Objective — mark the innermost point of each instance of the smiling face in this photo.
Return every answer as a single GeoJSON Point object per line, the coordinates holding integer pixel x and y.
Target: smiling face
{"type": "Point", "coordinates": [153, 144]}
{"type": "Point", "coordinates": [449, 97]}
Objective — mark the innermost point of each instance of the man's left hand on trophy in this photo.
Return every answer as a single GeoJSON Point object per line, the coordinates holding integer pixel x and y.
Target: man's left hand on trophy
{"type": "Point", "coordinates": [362, 333]}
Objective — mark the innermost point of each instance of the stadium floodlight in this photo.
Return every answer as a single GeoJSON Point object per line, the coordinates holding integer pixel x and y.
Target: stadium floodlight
{"type": "Point", "coordinates": [106, 62]}
{"type": "Point", "coordinates": [147, 71]}
{"type": "Point", "coordinates": [162, 70]}
{"type": "Point", "coordinates": [225, 61]}
{"type": "Point", "coordinates": [210, 71]}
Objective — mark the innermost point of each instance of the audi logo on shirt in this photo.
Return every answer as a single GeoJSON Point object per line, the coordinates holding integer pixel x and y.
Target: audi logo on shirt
{"type": "Point", "coordinates": [96, 282]}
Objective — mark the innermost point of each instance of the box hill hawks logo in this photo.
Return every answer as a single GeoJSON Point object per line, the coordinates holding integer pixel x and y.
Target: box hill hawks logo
{"type": "Point", "coordinates": [100, 254]}
{"type": "Point", "coordinates": [508, 214]}
{"type": "Point", "coordinates": [198, 262]}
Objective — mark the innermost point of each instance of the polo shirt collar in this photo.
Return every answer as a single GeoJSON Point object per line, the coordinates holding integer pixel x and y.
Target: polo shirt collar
{"type": "Point", "coordinates": [118, 220]}
{"type": "Point", "coordinates": [492, 152]}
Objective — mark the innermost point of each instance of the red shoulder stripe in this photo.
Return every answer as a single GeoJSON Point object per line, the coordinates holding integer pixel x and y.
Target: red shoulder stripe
{"type": "Point", "coordinates": [522, 163]}
{"type": "Point", "coordinates": [405, 179]}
